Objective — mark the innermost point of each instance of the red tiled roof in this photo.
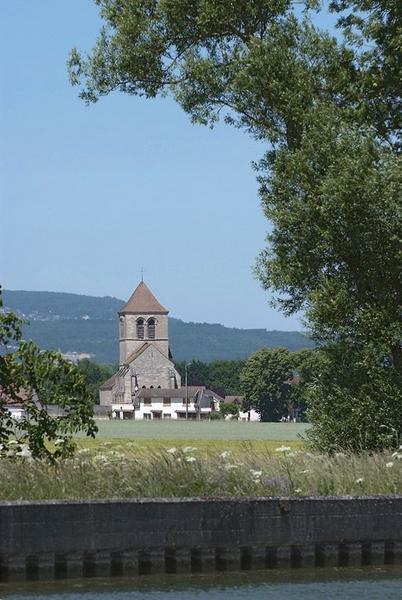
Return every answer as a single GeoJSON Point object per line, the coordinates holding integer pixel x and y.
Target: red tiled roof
{"type": "Point", "coordinates": [142, 300]}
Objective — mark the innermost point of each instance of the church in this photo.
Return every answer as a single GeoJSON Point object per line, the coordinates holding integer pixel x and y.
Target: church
{"type": "Point", "coordinates": [147, 384]}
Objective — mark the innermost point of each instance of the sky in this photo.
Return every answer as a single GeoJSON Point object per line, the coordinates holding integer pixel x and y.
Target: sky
{"type": "Point", "coordinates": [89, 196]}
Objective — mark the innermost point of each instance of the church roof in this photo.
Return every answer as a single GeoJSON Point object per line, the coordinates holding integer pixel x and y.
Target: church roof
{"type": "Point", "coordinates": [136, 353]}
{"type": "Point", "coordinates": [142, 300]}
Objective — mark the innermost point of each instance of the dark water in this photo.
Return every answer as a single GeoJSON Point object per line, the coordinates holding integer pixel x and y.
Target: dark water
{"type": "Point", "coordinates": [334, 584]}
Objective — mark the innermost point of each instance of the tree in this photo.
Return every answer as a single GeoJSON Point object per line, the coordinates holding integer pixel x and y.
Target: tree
{"type": "Point", "coordinates": [229, 408]}
{"type": "Point", "coordinates": [335, 244]}
{"type": "Point", "coordinates": [354, 401]}
{"type": "Point", "coordinates": [265, 383]}
{"type": "Point", "coordinates": [36, 379]}
{"type": "Point", "coordinates": [95, 375]}
{"type": "Point", "coordinates": [197, 372]}
{"type": "Point", "coordinates": [221, 376]}
{"type": "Point", "coordinates": [307, 368]}
{"type": "Point", "coordinates": [330, 114]}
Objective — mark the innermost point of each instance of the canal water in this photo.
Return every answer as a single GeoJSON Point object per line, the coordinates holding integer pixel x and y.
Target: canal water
{"type": "Point", "coordinates": [330, 584]}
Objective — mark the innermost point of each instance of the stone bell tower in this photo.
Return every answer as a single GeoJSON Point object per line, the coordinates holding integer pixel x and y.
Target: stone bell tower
{"type": "Point", "coordinates": [143, 319]}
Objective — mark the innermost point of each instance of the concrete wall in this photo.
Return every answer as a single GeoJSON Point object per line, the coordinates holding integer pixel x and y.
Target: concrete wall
{"type": "Point", "coordinates": [89, 538]}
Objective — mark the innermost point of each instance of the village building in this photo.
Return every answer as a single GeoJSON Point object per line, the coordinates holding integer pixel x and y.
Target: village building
{"type": "Point", "coordinates": [250, 415]}
{"type": "Point", "coordinates": [147, 384]}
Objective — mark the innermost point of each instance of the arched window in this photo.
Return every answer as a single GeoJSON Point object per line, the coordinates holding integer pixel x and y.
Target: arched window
{"type": "Point", "coordinates": [140, 329]}
{"type": "Point", "coordinates": [151, 329]}
{"type": "Point", "coordinates": [122, 327]}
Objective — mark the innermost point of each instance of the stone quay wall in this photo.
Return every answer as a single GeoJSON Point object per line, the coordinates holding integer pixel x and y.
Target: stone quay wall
{"type": "Point", "coordinates": [62, 539]}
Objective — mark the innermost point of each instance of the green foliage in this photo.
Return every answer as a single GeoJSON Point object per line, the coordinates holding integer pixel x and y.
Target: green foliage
{"type": "Point", "coordinates": [221, 376]}
{"type": "Point", "coordinates": [94, 376]}
{"type": "Point", "coordinates": [215, 416]}
{"type": "Point", "coordinates": [36, 379]}
{"type": "Point", "coordinates": [265, 383]}
{"type": "Point", "coordinates": [307, 365]}
{"type": "Point", "coordinates": [229, 408]}
{"type": "Point", "coordinates": [336, 235]}
{"type": "Point", "coordinates": [354, 402]}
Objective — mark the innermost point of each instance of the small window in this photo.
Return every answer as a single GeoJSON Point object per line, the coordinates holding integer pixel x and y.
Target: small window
{"type": "Point", "coordinates": [147, 401]}
{"type": "Point", "coordinates": [167, 416]}
{"type": "Point", "coordinates": [151, 329]}
{"type": "Point", "coordinates": [140, 329]}
{"type": "Point", "coordinates": [147, 416]}
{"type": "Point", "coordinates": [166, 402]}
{"type": "Point", "coordinates": [121, 326]}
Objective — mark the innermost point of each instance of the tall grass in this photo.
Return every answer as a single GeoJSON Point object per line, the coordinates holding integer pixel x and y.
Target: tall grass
{"type": "Point", "coordinates": [129, 471]}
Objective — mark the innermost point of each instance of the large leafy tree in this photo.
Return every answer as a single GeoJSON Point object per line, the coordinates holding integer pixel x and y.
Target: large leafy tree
{"type": "Point", "coordinates": [265, 383]}
{"type": "Point", "coordinates": [37, 379]}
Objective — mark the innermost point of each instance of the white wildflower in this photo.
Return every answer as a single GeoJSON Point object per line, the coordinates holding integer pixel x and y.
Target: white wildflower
{"type": "Point", "coordinates": [340, 455]}
{"type": "Point", "coordinates": [171, 450]}
{"type": "Point", "coordinates": [190, 459]}
{"type": "Point", "coordinates": [84, 451]}
{"type": "Point", "coordinates": [188, 449]}
{"type": "Point", "coordinates": [100, 458]}
{"type": "Point", "coordinates": [389, 464]}
{"type": "Point", "coordinates": [359, 480]}
{"type": "Point", "coordinates": [225, 454]}
{"type": "Point", "coordinates": [24, 451]}
{"type": "Point", "coordinates": [12, 443]}
{"type": "Point", "coordinates": [229, 467]}
{"type": "Point", "coordinates": [397, 455]}
{"type": "Point", "coordinates": [58, 441]}
{"type": "Point", "coordinates": [305, 471]}
{"type": "Point", "coordinates": [283, 449]}
{"type": "Point", "coordinates": [256, 474]}
{"type": "Point", "coordinates": [298, 491]}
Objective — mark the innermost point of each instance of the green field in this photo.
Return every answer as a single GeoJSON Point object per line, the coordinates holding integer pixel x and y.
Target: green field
{"type": "Point", "coordinates": [215, 433]}
{"type": "Point", "coordinates": [211, 430]}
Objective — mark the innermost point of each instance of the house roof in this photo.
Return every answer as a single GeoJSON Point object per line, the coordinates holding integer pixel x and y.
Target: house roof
{"type": "Point", "coordinates": [18, 398]}
{"type": "Point", "coordinates": [141, 301]}
{"type": "Point", "coordinates": [170, 392]}
{"type": "Point", "coordinates": [234, 399]}
{"type": "Point", "coordinates": [109, 383]}
{"type": "Point", "coordinates": [176, 392]}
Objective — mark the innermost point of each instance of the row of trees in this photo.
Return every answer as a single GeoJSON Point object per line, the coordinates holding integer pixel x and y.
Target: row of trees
{"type": "Point", "coordinates": [329, 110]}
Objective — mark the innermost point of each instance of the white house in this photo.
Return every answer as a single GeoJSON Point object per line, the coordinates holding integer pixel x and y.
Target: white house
{"type": "Point", "coordinates": [167, 403]}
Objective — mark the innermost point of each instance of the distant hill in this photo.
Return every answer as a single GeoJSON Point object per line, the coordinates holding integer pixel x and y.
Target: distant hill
{"type": "Point", "coordinates": [88, 324]}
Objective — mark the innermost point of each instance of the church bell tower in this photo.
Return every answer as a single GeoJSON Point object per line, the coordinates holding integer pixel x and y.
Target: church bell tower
{"type": "Point", "coordinates": [142, 320]}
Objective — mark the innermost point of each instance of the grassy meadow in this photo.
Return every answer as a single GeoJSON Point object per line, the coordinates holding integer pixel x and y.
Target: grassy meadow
{"type": "Point", "coordinates": [132, 470]}
{"type": "Point", "coordinates": [166, 459]}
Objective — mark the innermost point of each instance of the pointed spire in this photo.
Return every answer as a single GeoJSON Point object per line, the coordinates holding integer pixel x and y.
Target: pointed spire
{"type": "Point", "coordinates": [142, 300]}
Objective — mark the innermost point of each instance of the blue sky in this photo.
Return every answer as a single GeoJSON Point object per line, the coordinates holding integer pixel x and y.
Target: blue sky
{"type": "Point", "coordinates": [89, 195]}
